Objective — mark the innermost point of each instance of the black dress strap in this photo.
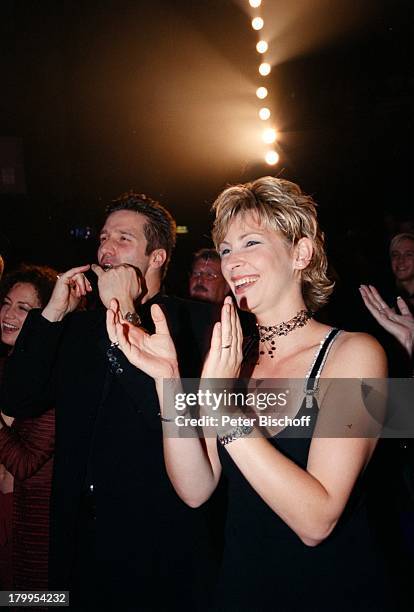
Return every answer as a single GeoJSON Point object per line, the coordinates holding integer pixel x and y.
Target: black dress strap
{"type": "Point", "coordinates": [312, 380]}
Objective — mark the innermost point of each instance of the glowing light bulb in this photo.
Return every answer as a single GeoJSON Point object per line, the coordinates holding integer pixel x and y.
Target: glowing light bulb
{"type": "Point", "coordinates": [261, 93]}
{"type": "Point", "coordinates": [265, 69]}
{"type": "Point", "coordinates": [255, 3]}
{"type": "Point", "coordinates": [269, 135]}
{"type": "Point", "coordinates": [271, 158]}
{"type": "Point", "coordinates": [262, 46]}
{"type": "Point", "coordinates": [257, 23]}
{"type": "Point", "coordinates": [264, 113]}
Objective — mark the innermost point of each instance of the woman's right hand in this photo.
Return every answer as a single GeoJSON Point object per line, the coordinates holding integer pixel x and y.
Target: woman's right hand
{"type": "Point", "coordinates": [154, 354]}
{"type": "Point", "coordinates": [225, 355]}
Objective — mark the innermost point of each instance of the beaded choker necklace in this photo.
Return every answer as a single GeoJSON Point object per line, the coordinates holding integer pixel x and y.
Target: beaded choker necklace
{"type": "Point", "coordinates": [268, 333]}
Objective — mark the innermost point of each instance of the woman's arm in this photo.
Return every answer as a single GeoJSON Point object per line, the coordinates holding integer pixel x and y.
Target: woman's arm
{"type": "Point", "coordinates": [195, 475]}
{"type": "Point", "coordinates": [192, 465]}
{"type": "Point", "coordinates": [311, 501]}
{"type": "Point", "coordinates": [24, 452]}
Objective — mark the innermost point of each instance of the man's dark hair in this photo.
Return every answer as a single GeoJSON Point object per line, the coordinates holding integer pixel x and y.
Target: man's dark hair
{"type": "Point", "coordinates": [206, 255]}
{"type": "Point", "coordinates": [160, 229]}
{"type": "Point", "coordinates": [42, 278]}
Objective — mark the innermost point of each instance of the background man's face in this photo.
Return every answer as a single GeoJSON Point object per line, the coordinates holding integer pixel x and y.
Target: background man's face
{"type": "Point", "coordinates": [122, 240]}
{"type": "Point", "coordinates": [402, 260]}
{"type": "Point", "coordinates": [207, 282]}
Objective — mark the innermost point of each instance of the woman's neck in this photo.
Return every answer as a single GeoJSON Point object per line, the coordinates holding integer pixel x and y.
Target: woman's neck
{"type": "Point", "coordinates": [281, 313]}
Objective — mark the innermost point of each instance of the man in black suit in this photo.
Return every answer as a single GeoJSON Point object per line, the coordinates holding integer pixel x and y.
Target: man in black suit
{"type": "Point", "coordinates": [120, 536]}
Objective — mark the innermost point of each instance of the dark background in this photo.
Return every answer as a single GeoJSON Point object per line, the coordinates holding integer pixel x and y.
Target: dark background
{"type": "Point", "coordinates": [109, 95]}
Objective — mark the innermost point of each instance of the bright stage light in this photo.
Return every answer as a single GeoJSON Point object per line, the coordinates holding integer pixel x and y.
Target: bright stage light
{"type": "Point", "coordinates": [262, 46]}
{"type": "Point", "coordinates": [269, 135]}
{"type": "Point", "coordinates": [265, 69]}
{"type": "Point", "coordinates": [271, 158]}
{"type": "Point", "coordinates": [261, 93]}
{"type": "Point", "coordinates": [264, 113]}
{"type": "Point", "coordinates": [255, 3]}
{"type": "Point", "coordinates": [257, 23]}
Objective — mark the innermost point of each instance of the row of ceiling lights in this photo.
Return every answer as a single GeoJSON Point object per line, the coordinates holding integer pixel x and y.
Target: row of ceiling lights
{"type": "Point", "coordinates": [269, 133]}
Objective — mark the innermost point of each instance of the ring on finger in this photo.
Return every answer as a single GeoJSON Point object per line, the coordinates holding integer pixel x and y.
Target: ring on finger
{"type": "Point", "coordinates": [226, 347]}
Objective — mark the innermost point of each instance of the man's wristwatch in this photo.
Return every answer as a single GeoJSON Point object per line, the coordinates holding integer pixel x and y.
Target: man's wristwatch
{"type": "Point", "coordinates": [133, 318]}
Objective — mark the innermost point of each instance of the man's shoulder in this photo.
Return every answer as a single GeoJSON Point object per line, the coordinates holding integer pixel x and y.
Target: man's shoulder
{"type": "Point", "coordinates": [191, 326]}
{"type": "Point", "coordinates": [199, 316]}
{"type": "Point", "coordinates": [202, 309]}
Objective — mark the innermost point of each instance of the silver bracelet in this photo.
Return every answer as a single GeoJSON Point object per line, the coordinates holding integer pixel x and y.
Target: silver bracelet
{"type": "Point", "coordinates": [234, 434]}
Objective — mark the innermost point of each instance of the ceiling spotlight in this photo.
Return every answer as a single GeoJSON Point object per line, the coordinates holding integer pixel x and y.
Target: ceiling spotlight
{"type": "Point", "coordinates": [257, 23]}
{"type": "Point", "coordinates": [262, 46]}
{"type": "Point", "coordinates": [261, 93]}
{"type": "Point", "coordinates": [271, 158]}
{"type": "Point", "coordinates": [269, 135]}
{"type": "Point", "coordinates": [265, 69]}
{"type": "Point", "coordinates": [255, 3]}
{"type": "Point", "coordinates": [264, 113]}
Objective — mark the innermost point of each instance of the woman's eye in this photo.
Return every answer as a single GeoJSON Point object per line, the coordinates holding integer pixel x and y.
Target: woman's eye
{"type": "Point", "coordinates": [251, 243]}
{"type": "Point", "coordinates": [224, 252]}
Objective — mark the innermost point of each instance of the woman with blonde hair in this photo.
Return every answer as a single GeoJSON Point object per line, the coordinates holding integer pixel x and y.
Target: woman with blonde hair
{"type": "Point", "coordinates": [297, 532]}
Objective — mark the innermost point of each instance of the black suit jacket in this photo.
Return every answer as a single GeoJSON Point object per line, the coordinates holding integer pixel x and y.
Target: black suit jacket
{"type": "Point", "coordinates": [108, 431]}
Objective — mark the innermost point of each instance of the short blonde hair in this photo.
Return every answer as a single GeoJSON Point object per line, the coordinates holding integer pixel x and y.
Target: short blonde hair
{"type": "Point", "coordinates": [399, 238]}
{"type": "Point", "coordinates": [283, 207]}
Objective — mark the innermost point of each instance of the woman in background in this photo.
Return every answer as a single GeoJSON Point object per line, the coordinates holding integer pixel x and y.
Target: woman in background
{"type": "Point", "coordinates": [27, 445]}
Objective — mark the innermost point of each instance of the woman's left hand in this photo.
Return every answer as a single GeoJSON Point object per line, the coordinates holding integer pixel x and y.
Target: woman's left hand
{"type": "Point", "coordinates": [225, 356]}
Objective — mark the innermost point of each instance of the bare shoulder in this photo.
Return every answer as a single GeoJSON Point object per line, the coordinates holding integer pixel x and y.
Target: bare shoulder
{"type": "Point", "coordinates": [356, 354]}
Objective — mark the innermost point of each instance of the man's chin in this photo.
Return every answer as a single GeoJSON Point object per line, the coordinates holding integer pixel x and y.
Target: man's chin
{"type": "Point", "coordinates": [204, 297]}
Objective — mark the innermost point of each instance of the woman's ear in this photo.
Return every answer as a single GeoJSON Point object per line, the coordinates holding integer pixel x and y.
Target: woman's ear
{"type": "Point", "coordinates": [303, 254]}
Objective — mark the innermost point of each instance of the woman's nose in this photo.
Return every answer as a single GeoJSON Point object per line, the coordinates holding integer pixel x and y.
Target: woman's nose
{"type": "Point", "coordinates": [231, 263]}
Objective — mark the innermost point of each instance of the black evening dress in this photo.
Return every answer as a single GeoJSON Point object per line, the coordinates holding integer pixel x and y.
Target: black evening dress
{"type": "Point", "coordinates": [267, 567]}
